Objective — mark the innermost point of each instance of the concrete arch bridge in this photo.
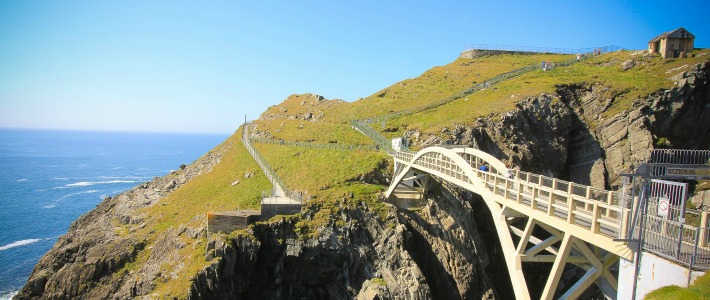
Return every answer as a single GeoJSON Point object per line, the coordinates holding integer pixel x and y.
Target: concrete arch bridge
{"type": "Point", "coordinates": [582, 224]}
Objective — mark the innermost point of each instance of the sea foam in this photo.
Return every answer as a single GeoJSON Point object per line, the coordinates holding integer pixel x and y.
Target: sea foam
{"type": "Point", "coordinates": [19, 243]}
{"type": "Point", "coordinates": [90, 183]}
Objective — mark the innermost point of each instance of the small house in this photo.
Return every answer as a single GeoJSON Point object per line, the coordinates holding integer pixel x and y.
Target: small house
{"type": "Point", "coordinates": [671, 44]}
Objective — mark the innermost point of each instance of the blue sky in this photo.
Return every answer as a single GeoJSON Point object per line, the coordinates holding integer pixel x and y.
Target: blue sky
{"type": "Point", "coordinates": [200, 66]}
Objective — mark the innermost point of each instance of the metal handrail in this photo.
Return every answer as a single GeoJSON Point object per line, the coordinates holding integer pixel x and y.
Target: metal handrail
{"type": "Point", "coordinates": [382, 141]}
{"type": "Point", "coordinates": [266, 168]}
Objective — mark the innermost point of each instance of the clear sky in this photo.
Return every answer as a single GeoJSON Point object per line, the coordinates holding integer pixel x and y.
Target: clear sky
{"type": "Point", "coordinates": [200, 66]}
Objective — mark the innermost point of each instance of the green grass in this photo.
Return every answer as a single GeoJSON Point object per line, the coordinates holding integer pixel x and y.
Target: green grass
{"type": "Point", "coordinates": [305, 131]}
{"type": "Point", "coordinates": [315, 171]}
{"type": "Point", "coordinates": [438, 83]}
{"type": "Point", "coordinates": [700, 289]}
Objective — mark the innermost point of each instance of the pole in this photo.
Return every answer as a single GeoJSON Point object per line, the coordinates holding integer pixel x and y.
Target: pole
{"type": "Point", "coordinates": [642, 225]}
{"type": "Point", "coordinates": [692, 258]}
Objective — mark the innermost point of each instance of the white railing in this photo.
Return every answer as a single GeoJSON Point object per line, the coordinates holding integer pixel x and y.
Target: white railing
{"type": "Point", "coordinates": [595, 209]}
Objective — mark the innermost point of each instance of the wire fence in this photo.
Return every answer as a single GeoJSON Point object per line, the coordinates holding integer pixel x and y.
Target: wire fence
{"type": "Point", "coordinates": [533, 49]}
{"type": "Point", "coordinates": [483, 85]}
{"type": "Point", "coordinates": [333, 146]}
{"type": "Point", "coordinates": [268, 171]}
{"type": "Point", "coordinates": [364, 127]}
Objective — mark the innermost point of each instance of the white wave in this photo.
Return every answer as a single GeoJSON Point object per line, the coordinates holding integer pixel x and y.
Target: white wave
{"type": "Point", "coordinates": [125, 177]}
{"type": "Point", "coordinates": [60, 178]}
{"type": "Point", "coordinates": [19, 243]}
{"type": "Point", "coordinates": [9, 296]}
{"type": "Point", "coordinates": [21, 180]}
{"type": "Point", "coordinates": [55, 202]}
{"type": "Point", "coordinates": [90, 183]}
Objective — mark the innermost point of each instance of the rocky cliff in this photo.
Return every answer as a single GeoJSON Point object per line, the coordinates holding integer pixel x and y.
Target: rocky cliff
{"type": "Point", "coordinates": [433, 253]}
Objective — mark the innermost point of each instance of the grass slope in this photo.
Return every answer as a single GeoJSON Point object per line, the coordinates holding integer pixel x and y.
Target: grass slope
{"type": "Point", "coordinates": [699, 290]}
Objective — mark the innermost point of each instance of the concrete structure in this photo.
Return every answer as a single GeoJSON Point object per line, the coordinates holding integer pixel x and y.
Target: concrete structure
{"type": "Point", "coordinates": [228, 221]}
{"type": "Point", "coordinates": [672, 44]}
{"type": "Point", "coordinates": [397, 144]}
{"type": "Point", "coordinates": [474, 53]}
{"type": "Point", "coordinates": [655, 273]}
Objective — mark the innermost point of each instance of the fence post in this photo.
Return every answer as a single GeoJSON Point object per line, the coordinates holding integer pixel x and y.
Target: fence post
{"type": "Point", "coordinates": [587, 196]}
{"type": "Point", "coordinates": [595, 218]}
{"type": "Point", "coordinates": [704, 229]}
{"type": "Point", "coordinates": [551, 197]}
{"type": "Point", "coordinates": [623, 232]}
{"type": "Point", "coordinates": [570, 203]}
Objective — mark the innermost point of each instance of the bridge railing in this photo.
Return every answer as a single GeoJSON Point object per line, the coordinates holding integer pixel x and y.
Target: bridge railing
{"type": "Point", "coordinates": [595, 209]}
{"type": "Point", "coordinates": [676, 241]}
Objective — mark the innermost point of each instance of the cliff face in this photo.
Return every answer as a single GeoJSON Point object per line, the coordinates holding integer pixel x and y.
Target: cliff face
{"type": "Point", "coordinates": [434, 253]}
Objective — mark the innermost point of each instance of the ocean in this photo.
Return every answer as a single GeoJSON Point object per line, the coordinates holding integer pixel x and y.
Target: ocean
{"type": "Point", "coordinates": [49, 178]}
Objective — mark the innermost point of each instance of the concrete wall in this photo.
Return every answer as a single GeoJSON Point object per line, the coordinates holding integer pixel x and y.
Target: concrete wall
{"type": "Point", "coordinates": [473, 53]}
{"type": "Point", "coordinates": [655, 273]}
{"type": "Point", "coordinates": [228, 221]}
{"type": "Point", "coordinates": [270, 210]}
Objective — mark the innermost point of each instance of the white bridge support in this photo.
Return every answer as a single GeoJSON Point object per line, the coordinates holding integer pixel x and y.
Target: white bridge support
{"type": "Point", "coordinates": [580, 222]}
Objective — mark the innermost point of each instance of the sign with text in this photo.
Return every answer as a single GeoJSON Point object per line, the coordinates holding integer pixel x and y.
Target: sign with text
{"type": "Point", "coordinates": [689, 172]}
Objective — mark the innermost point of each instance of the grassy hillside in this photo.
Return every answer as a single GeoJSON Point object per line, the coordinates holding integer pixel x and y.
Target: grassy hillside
{"type": "Point", "coordinates": [649, 74]}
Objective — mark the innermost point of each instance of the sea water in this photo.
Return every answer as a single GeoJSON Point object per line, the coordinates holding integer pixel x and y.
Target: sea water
{"type": "Point", "coordinates": [49, 178]}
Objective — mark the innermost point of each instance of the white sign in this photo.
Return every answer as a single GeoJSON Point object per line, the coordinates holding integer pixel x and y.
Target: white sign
{"type": "Point", "coordinates": [663, 205]}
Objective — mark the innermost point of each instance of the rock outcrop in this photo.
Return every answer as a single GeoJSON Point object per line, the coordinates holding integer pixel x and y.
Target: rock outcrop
{"type": "Point", "coordinates": [434, 254]}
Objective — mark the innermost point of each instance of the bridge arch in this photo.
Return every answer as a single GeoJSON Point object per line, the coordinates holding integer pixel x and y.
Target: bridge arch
{"type": "Point", "coordinates": [582, 224]}
{"type": "Point", "coordinates": [513, 264]}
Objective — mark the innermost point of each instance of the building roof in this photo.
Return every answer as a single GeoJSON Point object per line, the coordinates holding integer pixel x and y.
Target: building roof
{"type": "Point", "coordinates": [679, 33]}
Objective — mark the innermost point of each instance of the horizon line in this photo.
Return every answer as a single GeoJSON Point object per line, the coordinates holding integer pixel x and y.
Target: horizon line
{"type": "Point", "coordinates": [115, 130]}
